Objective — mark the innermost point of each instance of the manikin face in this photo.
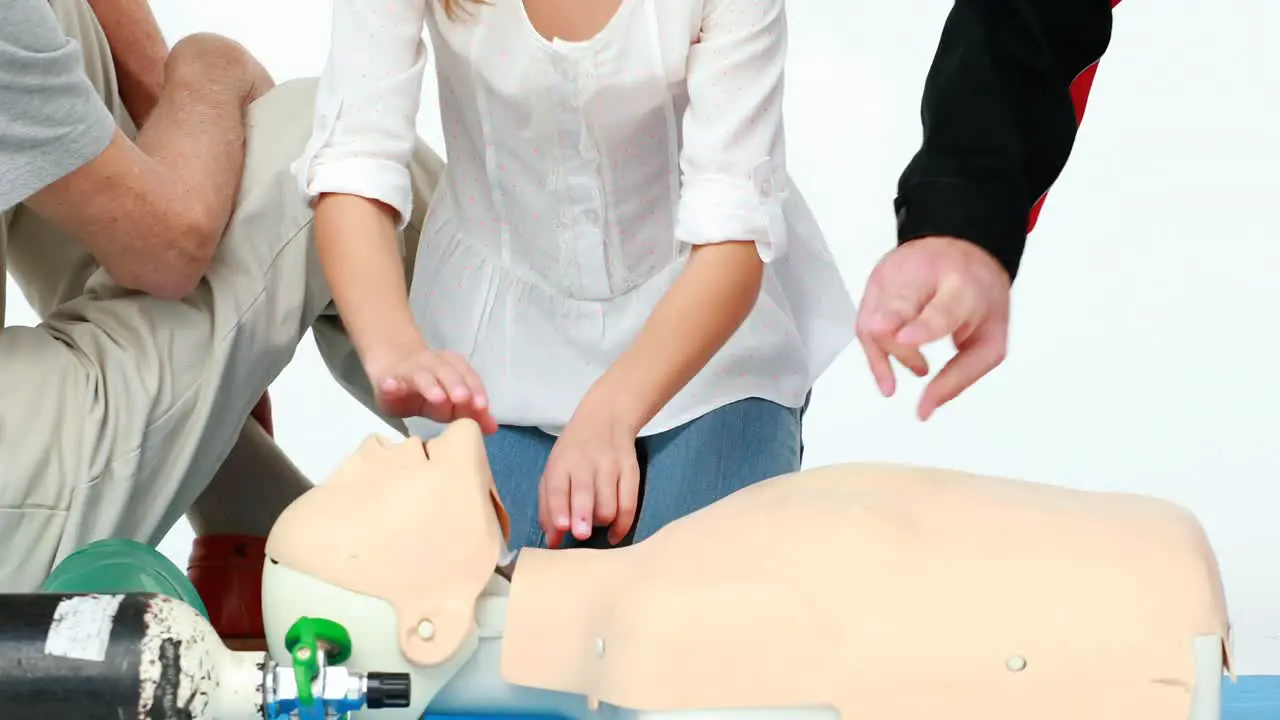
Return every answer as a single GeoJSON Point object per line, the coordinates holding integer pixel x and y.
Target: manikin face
{"type": "Point", "coordinates": [417, 525]}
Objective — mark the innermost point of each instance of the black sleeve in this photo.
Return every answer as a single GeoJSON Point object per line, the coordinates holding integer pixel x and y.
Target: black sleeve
{"type": "Point", "coordinates": [998, 117]}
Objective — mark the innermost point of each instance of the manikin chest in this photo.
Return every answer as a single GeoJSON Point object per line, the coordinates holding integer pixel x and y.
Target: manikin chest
{"type": "Point", "coordinates": [856, 585]}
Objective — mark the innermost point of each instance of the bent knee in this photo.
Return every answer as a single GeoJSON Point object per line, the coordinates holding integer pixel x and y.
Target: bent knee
{"type": "Point", "coordinates": [279, 125]}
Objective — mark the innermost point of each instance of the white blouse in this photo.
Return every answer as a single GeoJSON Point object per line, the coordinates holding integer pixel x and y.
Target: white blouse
{"type": "Point", "coordinates": [579, 175]}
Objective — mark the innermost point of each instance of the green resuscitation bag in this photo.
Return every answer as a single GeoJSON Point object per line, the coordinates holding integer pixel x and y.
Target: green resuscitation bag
{"type": "Point", "coordinates": [116, 565]}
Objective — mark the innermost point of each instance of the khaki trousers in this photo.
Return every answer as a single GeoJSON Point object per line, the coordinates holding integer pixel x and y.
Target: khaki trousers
{"type": "Point", "coordinates": [119, 409]}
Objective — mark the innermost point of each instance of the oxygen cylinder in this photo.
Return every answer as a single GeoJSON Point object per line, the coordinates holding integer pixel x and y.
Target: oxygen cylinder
{"type": "Point", "coordinates": [106, 657]}
{"type": "Point", "coordinates": [152, 657]}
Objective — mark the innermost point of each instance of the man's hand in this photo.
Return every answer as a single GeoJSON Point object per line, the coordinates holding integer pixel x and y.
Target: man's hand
{"type": "Point", "coordinates": [926, 290]}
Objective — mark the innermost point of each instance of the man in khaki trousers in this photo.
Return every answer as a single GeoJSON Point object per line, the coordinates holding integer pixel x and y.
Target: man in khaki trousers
{"type": "Point", "coordinates": [174, 272]}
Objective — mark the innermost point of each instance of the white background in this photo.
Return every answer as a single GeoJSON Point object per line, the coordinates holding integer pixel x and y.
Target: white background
{"type": "Point", "coordinates": [1144, 348]}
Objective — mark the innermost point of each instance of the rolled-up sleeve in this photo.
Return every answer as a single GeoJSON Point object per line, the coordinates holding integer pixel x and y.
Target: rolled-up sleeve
{"type": "Point", "coordinates": [732, 162]}
{"type": "Point", "coordinates": [367, 104]}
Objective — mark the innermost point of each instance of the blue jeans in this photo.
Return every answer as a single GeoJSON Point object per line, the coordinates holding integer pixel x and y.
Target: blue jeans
{"type": "Point", "coordinates": [681, 470]}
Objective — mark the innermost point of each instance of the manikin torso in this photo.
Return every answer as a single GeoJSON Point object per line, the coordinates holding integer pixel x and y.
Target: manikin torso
{"type": "Point", "coordinates": [854, 591]}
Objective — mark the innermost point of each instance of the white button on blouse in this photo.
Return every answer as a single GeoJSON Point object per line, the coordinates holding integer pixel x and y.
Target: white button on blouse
{"type": "Point", "coordinates": [579, 175]}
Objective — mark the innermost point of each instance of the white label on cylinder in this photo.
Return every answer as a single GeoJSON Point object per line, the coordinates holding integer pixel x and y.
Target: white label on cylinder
{"type": "Point", "coordinates": [81, 627]}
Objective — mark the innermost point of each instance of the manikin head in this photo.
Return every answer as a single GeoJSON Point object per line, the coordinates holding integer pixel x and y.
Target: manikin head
{"type": "Point", "coordinates": [396, 546]}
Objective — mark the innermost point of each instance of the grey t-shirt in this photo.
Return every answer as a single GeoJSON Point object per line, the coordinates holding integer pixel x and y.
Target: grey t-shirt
{"type": "Point", "coordinates": [52, 121]}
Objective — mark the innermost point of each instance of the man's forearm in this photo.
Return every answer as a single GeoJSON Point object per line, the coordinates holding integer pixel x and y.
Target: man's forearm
{"type": "Point", "coordinates": [138, 50]}
{"type": "Point", "coordinates": [999, 119]}
{"type": "Point", "coordinates": [153, 211]}
{"type": "Point", "coordinates": [197, 134]}
{"type": "Point", "coordinates": [703, 309]}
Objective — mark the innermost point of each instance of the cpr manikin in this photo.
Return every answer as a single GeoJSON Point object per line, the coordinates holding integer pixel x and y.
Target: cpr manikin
{"type": "Point", "coordinates": [852, 591]}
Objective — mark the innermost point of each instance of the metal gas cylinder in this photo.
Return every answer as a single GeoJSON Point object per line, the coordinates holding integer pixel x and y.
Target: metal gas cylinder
{"type": "Point", "coordinates": [152, 657]}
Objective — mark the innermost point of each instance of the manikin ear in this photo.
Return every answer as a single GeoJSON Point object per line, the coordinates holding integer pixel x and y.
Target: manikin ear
{"type": "Point", "coordinates": [432, 630]}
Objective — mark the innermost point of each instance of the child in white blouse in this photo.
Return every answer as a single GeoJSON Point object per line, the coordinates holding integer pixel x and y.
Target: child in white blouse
{"type": "Point", "coordinates": [616, 278]}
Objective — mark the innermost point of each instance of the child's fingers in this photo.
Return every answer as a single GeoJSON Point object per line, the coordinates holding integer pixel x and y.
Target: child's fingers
{"type": "Point", "coordinates": [485, 420]}
{"type": "Point", "coordinates": [606, 500]}
{"type": "Point", "coordinates": [426, 385]}
{"type": "Point", "coordinates": [554, 535]}
{"type": "Point", "coordinates": [582, 498]}
{"type": "Point", "coordinates": [477, 407]}
{"type": "Point", "coordinates": [451, 380]}
{"type": "Point", "coordinates": [396, 398]}
{"type": "Point", "coordinates": [392, 386]}
{"type": "Point", "coordinates": [555, 500]}
{"type": "Point", "coordinates": [479, 398]}
{"type": "Point", "coordinates": [628, 498]}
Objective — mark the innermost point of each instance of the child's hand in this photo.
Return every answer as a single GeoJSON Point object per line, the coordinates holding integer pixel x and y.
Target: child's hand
{"type": "Point", "coordinates": [439, 386]}
{"type": "Point", "coordinates": [592, 479]}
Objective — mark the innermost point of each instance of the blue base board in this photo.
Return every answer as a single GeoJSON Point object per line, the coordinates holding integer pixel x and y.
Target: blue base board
{"type": "Point", "coordinates": [1250, 697]}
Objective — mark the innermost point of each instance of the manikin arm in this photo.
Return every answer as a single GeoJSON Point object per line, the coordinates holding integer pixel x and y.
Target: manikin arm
{"type": "Point", "coordinates": [1000, 111]}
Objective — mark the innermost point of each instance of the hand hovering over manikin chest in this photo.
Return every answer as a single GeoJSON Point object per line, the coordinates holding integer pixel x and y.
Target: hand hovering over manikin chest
{"type": "Point", "coordinates": [1000, 112]}
{"type": "Point", "coordinates": [927, 290]}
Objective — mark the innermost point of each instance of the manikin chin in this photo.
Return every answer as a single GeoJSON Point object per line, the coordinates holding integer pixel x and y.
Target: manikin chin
{"type": "Point", "coordinates": [854, 591]}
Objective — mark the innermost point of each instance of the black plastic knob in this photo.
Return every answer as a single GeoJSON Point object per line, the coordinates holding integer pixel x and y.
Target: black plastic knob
{"type": "Point", "coordinates": [387, 690]}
